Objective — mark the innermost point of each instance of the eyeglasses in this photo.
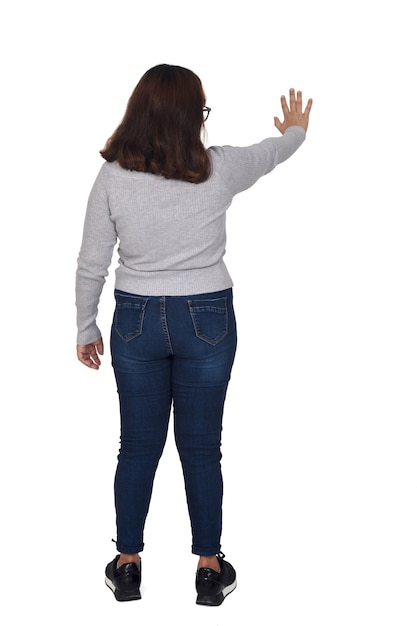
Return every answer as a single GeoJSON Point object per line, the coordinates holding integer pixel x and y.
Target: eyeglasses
{"type": "Point", "coordinates": [206, 113]}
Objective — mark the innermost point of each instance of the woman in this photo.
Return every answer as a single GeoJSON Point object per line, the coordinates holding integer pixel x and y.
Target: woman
{"type": "Point", "coordinates": [173, 338]}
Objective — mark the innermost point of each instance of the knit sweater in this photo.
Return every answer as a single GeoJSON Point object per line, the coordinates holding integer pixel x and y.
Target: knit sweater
{"type": "Point", "coordinates": [172, 234]}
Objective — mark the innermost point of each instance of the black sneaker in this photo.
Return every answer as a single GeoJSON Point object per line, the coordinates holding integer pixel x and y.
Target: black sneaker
{"type": "Point", "coordinates": [124, 581]}
{"type": "Point", "coordinates": [212, 587]}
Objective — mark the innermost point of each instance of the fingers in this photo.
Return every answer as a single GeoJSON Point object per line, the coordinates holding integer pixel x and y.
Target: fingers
{"type": "Point", "coordinates": [299, 102]}
{"type": "Point", "coordinates": [284, 105]}
{"type": "Point", "coordinates": [279, 125]}
{"type": "Point", "coordinates": [88, 355]}
{"type": "Point", "coordinates": [293, 113]}
{"type": "Point", "coordinates": [308, 107]}
{"type": "Point", "coordinates": [296, 103]}
{"type": "Point", "coordinates": [293, 103]}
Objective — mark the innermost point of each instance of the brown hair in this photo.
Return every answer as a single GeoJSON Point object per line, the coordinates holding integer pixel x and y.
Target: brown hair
{"type": "Point", "coordinates": [161, 129]}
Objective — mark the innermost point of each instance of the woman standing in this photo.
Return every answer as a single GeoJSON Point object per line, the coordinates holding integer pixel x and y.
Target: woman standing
{"type": "Point", "coordinates": [163, 196]}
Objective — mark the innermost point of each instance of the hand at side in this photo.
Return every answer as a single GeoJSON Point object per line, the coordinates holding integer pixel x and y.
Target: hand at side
{"type": "Point", "coordinates": [88, 355]}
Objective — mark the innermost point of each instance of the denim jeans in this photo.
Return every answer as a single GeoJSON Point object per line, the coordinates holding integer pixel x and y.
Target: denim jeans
{"type": "Point", "coordinates": [168, 352]}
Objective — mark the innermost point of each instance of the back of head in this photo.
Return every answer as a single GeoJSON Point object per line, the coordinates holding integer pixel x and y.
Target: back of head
{"type": "Point", "coordinates": [161, 129]}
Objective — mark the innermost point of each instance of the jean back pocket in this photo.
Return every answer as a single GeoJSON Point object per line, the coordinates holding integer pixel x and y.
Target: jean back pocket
{"type": "Point", "coordinates": [210, 319]}
{"type": "Point", "coordinates": [129, 315]}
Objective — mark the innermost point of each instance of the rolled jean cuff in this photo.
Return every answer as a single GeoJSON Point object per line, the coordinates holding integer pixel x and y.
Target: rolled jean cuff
{"type": "Point", "coordinates": [204, 551]}
{"type": "Point", "coordinates": [129, 549]}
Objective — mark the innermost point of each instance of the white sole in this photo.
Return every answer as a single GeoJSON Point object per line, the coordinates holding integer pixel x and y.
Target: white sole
{"type": "Point", "coordinates": [229, 589]}
{"type": "Point", "coordinates": [225, 592]}
{"type": "Point", "coordinates": [110, 584]}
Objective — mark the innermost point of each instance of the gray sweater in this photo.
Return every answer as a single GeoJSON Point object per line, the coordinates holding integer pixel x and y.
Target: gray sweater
{"type": "Point", "coordinates": [172, 234]}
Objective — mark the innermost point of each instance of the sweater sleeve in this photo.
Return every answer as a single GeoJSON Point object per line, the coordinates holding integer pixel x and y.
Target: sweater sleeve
{"type": "Point", "coordinates": [98, 241]}
{"type": "Point", "coordinates": [241, 167]}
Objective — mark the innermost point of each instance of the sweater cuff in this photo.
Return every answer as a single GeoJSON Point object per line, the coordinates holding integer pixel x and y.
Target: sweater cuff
{"type": "Point", "coordinates": [298, 130]}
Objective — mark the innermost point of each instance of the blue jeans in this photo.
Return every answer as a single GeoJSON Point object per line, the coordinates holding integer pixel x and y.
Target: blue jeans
{"type": "Point", "coordinates": [171, 351]}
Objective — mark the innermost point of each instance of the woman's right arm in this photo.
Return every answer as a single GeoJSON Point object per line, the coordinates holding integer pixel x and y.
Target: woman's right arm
{"type": "Point", "coordinates": [241, 167]}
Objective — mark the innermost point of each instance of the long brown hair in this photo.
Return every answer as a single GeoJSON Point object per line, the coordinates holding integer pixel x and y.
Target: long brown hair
{"type": "Point", "coordinates": [161, 129]}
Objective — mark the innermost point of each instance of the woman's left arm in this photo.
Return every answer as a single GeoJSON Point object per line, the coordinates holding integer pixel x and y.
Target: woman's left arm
{"type": "Point", "coordinates": [99, 239]}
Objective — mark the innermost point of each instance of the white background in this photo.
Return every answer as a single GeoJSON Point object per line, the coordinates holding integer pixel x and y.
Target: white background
{"type": "Point", "coordinates": [319, 435]}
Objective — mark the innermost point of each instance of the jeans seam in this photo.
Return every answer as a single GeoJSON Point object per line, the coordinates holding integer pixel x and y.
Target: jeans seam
{"type": "Point", "coordinates": [164, 323]}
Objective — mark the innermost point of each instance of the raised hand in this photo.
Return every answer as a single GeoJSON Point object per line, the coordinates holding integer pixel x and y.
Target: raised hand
{"type": "Point", "coordinates": [294, 114]}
